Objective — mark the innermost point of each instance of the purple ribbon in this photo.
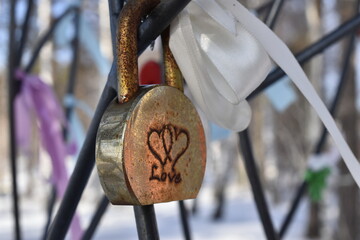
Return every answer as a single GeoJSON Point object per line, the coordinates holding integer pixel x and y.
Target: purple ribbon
{"type": "Point", "coordinates": [37, 98]}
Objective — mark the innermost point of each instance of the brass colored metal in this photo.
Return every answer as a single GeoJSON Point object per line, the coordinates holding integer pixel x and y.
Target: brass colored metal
{"type": "Point", "coordinates": [151, 149]}
{"type": "Point", "coordinates": [127, 70]}
{"type": "Point", "coordinates": [173, 76]}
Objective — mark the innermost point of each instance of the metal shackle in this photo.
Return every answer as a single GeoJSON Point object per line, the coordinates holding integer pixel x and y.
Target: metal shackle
{"type": "Point", "coordinates": [173, 76]}
{"type": "Point", "coordinates": [127, 65]}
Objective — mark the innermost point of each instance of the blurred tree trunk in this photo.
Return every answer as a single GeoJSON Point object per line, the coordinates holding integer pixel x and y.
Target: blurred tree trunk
{"type": "Point", "coordinates": [348, 194]}
{"type": "Point", "coordinates": [291, 126]}
{"type": "Point", "coordinates": [59, 71]}
{"type": "Point", "coordinates": [313, 12]}
{"type": "Point", "coordinates": [89, 83]}
{"type": "Point", "coordinates": [4, 136]}
{"type": "Point", "coordinates": [349, 200]}
{"type": "Point", "coordinates": [32, 158]}
{"type": "Point", "coordinates": [258, 106]}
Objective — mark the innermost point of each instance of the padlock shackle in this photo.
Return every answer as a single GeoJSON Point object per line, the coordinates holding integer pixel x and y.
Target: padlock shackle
{"type": "Point", "coordinates": [127, 32]}
{"type": "Point", "coordinates": [173, 76]}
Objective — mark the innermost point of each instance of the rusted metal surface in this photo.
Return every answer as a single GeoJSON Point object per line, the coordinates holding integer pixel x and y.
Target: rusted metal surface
{"type": "Point", "coordinates": [127, 66]}
{"type": "Point", "coordinates": [151, 149]}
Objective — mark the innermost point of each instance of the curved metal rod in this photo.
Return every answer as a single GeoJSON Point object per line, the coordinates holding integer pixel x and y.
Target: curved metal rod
{"type": "Point", "coordinates": [47, 36]}
{"type": "Point", "coordinates": [249, 159]}
{"type": "Point", "coordinates": [100, 211]}
{"type": "Point", "coordinates": [11, 98]}
{"type": "Point", "coordinates": [258, 192]}
{"type": "Point", "coordinates": [314, 49]}
{"type": "Point", "coordinates": [24, 33]}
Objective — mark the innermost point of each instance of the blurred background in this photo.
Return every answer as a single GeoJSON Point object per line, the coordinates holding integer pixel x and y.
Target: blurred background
{"type": "Point", "coordinates": [284, 131]}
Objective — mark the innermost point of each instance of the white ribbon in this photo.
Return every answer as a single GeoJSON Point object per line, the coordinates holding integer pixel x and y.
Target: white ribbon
{"type": "Point", "coordinates": [223, 67]}
{"type": "Point", "coordinates": [195, 44]}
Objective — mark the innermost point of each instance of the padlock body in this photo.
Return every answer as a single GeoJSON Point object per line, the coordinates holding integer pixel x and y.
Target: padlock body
{"type": "Point", "coordinates": [151, 149]}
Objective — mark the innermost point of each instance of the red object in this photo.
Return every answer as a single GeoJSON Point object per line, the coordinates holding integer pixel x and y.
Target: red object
{"type": "Point", "coordinates": [150, 73]}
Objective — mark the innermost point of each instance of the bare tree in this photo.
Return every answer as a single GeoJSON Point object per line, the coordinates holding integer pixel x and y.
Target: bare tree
{"type": "Point", "coordinates": [348, 195]}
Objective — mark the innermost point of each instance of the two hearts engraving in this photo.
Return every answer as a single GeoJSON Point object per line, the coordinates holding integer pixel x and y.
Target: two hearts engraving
{"type": "Point", "coordinates": [167, 145]}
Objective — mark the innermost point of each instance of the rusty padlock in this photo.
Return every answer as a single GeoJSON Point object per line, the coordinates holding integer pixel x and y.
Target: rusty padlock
{"type": "Point", "coordinates": [150, 145]}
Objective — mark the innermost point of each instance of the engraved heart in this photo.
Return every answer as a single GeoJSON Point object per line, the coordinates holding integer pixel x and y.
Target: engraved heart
{"type": "Point", "coordinates": [167, 135]}
{"type": "Point", "coordinates": [180, 143]}
{"type": "Point", "coordinates": [169, 143]}
{"type": "Point", "coordinates": [156, 146]}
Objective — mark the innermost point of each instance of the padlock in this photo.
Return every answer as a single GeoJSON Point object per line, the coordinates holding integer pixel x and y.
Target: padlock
{"type": "Point", "coordinates": [150, 146]}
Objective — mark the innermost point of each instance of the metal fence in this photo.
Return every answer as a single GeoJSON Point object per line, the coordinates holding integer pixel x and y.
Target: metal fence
{"type": "Point", "coordinates": [149, 30]}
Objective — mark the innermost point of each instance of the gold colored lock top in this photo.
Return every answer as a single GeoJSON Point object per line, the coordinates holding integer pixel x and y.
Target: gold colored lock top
{"type": "Point", "coordinates": [127, 65]}
{"type": "Point", "coordinates": [151, 147]}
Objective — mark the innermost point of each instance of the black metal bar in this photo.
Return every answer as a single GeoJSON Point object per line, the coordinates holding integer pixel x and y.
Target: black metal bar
{"type": "Point", "coordinates": [146, 222]}
{"type": "Point", "coordinates": [264, 7]}
{"type": "Point", "coordinates": [11, 98]}
{"type": "Point", "coordinates": [340, 89]}
{"type": "Point", "coordinates": [15, 57]}
{"type": "Point", "coordinates": [70, 90]}
{"type": "Point", "coordinates": [160, 17]}
{"type": "Point", "coordinates": [159, 20]}
{"type": "Point", "coordinates": [24, 33]}
{"type": "Point", "coordinates": [50, 209]}
{"type": "Point", "coordinates": [46, 37]}
{"type": "Point", "coordinates": [115, 7]}
{"type": "Point", "coordinates": [256, 186]}
{"type": "Point", "coordinates": [81, 173]}
{"type": "Point", "coordinates": [294, 206]}
{"type": "Point", "coordinates": [314, 49]}
{"type": "Point", "coordinates": [248, 156]}
{"type": "Point", "coordinates": [100, 211]}
{"type": "Point", "coordinates": [184, 220]}
{"type": "Point", "coordinates": [74, 64]}
{"type": "Point", "coordinates": [324, 133]}
{"type": "Point", "coordinates": [273, 14]}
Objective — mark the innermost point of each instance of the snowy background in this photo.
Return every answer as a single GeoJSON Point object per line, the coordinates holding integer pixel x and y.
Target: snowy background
{"type": "Point", "coordinates": [282, 149]}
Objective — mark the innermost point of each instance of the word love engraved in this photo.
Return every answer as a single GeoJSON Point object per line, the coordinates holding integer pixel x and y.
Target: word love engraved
{"type": "Point", "coordinates": [167, 145]}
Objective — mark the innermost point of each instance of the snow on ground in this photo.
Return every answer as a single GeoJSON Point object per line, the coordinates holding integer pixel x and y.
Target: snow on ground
{"type": "Point", "coordinates": [240, 219]}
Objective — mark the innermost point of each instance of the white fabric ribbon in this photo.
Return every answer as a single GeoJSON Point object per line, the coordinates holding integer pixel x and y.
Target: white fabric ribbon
{"type": "Point", "coordinates": [222, 66]}
{"type": "Point", "coordinates": [198, 41]}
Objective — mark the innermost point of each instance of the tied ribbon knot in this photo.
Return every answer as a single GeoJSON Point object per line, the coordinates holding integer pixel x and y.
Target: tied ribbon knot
{"type": "Point", "coordinates": [225, 52]}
